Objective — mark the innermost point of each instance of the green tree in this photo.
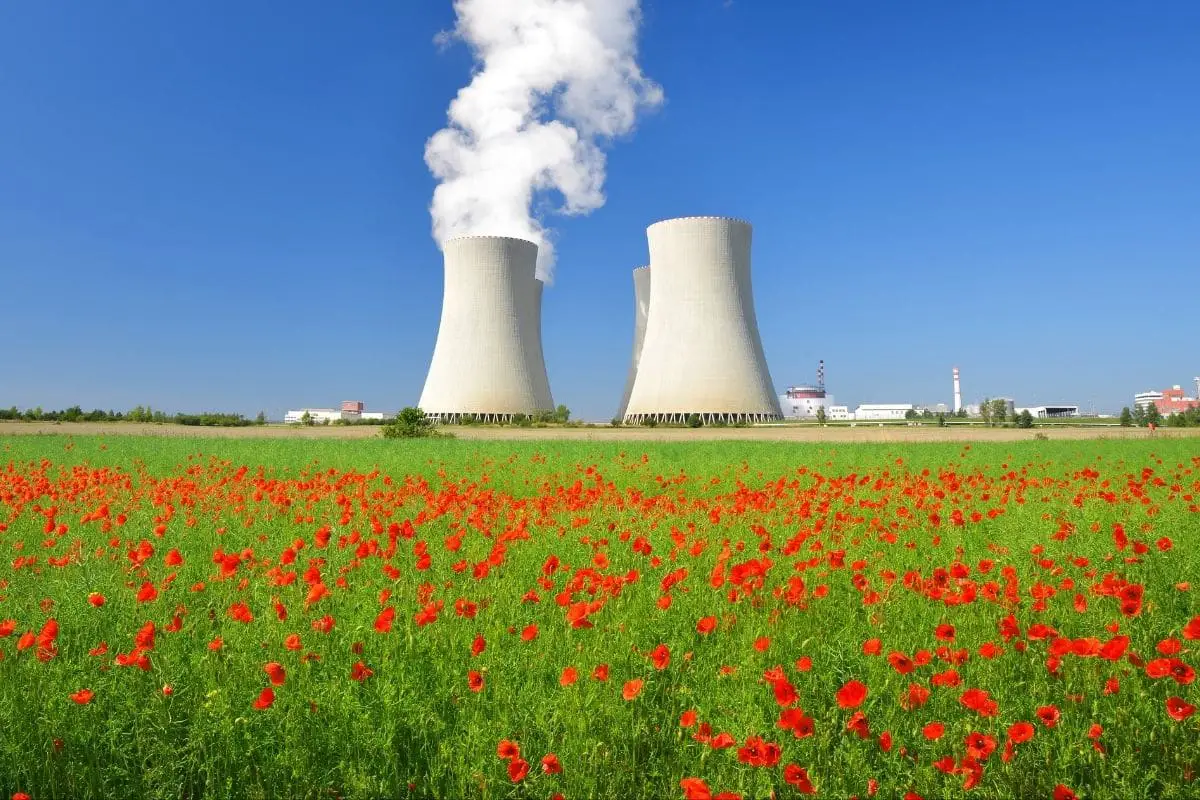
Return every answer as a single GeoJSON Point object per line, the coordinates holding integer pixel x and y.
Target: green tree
{"type": "Point", "coordinates": [1139, 415]}
{"type": "Point", "coordinates": [306, 418]}
{"type": "Point", "coordinates": [1126, 417]}
{"type": "Point", "coordinates": [562, 414]}
{"type": "Point", "coordinates": [822, 417]}
{"type": "Point", "coordinates": [1152, 415]}
{"type": "Point", "coordinates": [910, 414]}
{"type": "Point", "coordinates": [999, 411]}
{"type": "Point", "coordinates": [985, 411]}
{"type": "Point", "coordinates": [410, 423]}
{"type": "Point", "coordinates": [941, 420]}
{"type": "Point", "coordinates": [1024, 419]}
{"type": "Point", "coordinates": [261, 419]}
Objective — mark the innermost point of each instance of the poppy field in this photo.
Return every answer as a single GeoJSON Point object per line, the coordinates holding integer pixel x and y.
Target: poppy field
{"type": "Point", "coordinates": [377, 619]}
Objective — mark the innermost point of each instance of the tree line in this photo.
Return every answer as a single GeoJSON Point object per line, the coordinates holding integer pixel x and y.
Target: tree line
{"type": "Point", "coordinates": [137, 414]}
{"type": "Point", "coordinates": [1148, 415]}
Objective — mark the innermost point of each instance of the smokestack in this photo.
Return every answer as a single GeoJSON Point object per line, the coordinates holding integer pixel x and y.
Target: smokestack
{"type": "Point", "coordinates": [957, 393]}
{"type": "Point", "coordinates": [1197, 380]}
{"type": "Point", "coordinates": [821, 374]}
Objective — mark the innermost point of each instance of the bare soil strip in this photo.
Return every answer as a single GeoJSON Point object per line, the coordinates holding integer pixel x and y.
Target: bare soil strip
{"type": "Point", "coordinates": [603, 433]}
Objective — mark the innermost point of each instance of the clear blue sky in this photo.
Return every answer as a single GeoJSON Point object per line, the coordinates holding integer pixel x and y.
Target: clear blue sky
{"type": "Point", "coordinates": [223, 205]}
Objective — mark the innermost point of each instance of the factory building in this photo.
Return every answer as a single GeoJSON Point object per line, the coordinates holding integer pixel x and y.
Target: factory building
{"type": "Point", "coordinates": [701, 352]}
{"type": "Point", "coordinates": [488, 359]}
{"type": "Point", "coordinates": [882, 411]}
{"type": "Point", "coordinates": [1050, 412]}
{"type": "Point", "coordinates": [839, 413]}
{"type": "Point", "coordinates": [350, 411]}
{"type": "Point", "coordinates": [1168, 401]}
{"type": "Point", "coordinates": [805, 401]}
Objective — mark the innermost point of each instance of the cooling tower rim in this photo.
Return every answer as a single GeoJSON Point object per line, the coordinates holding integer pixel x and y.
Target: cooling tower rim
{"type": "Point", "coordinates": [745, 222]}
{"type": "Point", "coordinates": [639, 269]}
{"type": "Point", "coordinates": [487, 236]}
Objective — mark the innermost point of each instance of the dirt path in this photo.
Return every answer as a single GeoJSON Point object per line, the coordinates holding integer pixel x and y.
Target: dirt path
{"type": "Point", "coordinates": [602, 433]}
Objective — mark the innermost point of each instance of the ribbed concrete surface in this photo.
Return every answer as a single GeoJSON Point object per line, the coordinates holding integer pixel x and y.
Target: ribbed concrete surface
{"type": "Point", "coordinates": [488, 356]}
{"type": "Point", "coordinates": [641, 310]}
{"type": "Point", "coordinates": [702, 353]}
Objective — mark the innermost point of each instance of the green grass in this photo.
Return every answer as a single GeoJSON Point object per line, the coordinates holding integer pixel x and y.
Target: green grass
{"type": "Point", "coordinates": [415, 729]}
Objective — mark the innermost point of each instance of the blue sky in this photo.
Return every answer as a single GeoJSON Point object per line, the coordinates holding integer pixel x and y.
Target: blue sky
{"type": "Point", "coordinates": [223, 205]}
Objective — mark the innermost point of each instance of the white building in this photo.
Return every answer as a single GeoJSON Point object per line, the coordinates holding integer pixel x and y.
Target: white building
{"type": "Point", "coordinates": [488, 358]}
{"type": "Point", "coordinates": [1044, 412]}
{"type": "Point", "coordinates": [1143, 400]}
{"type": "Point", "coordinates": [319, 416]}
{"type": "Point", "coordinates": [878, 411]}
{"type": "Point", "coordinates": [701, 353]}
{"type": "Point", "coordinates": [839, 413]}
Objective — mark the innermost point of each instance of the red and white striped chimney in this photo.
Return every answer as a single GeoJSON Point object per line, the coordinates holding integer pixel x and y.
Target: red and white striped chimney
{"type": "Point", "coordinates": [957, 392]}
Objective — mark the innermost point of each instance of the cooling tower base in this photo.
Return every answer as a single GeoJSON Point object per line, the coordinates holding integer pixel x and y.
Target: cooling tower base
{"type": "Point", "coordinates": [706, 417]}
{"type": "Point", "coordinates": [457, 417]}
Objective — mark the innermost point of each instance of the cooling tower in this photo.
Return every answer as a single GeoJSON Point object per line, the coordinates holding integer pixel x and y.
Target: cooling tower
{"type": "Point", "coordinates": [531, 317]}
{"type": "Point", "coordinates": [488, 357]}
{"type": "Point", "coordinates": [641, 302]}
{"type": "Point", "coordinates": [701, 353]}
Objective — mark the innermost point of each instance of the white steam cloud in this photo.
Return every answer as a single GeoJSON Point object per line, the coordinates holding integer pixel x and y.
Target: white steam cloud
{"type": "Point", "coordinates": [554, 79]}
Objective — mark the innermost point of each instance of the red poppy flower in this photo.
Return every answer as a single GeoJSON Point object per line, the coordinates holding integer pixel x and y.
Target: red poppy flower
{"type": "Point", "coordinates": [508, 750]}
{"type": "Point", "coordinates": [1179, 709]}
{"type": "Point", "coordinates": [632, 688]}
{"type": "Point", "coordinates": [275, 672]}
{"type": "Point", "coordinates": [706, 625]}
{"type": "Point", "coordinates": [550, 764]}
{"type": "Point", "coordinates": [933, 731]}
{"type": "Point", "coordinates": [797, 776]}
{"type": "Point", "coordinates": [518, 768]}
{"type": "Point", "coordinates": [1020, 732]}
{"type": "Point", "coordinates": [1061, 792]}
{"type": "Point", "coordinates": [852, 694]}
{"type": "Point", "coordinates": [1049, 715]}
{"type": "Point", "coordinates": [660, 657]}
{"type": "Point", "coordinates": [82, 697]}
{"type": "Point", "coordinates": [360, 672]}
{"type": "Point", "coordinates": [568, 677]}
{"type": "Point", "coordinates": [475, 681]}
{"type": "Point", "coordinates": [265, 699]}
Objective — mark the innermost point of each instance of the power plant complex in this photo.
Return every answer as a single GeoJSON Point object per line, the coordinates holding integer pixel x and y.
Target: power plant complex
{"type": "Point", "coordinates": [696, 346]}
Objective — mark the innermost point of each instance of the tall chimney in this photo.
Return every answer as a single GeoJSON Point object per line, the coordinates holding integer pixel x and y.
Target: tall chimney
{"type": "Point", "coordinates": [957, 393]}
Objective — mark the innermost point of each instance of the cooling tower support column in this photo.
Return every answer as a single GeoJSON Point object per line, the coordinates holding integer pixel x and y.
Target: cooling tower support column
{"type": "Point", "coordinates": [641, 309]}
{"type": "Point", "coordinates": [701, 353]}
{"type": "Point", "coordinates": [487, 361]}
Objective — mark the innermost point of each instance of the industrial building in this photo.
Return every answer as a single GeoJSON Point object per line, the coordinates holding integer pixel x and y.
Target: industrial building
{"type": "Point", "coordinates": [701, 352]}
{"type": "Point", "coordinates": [806, 401]}
{"type": "Point", "coordinates": [882, 411]}
{"type": "Point", "coordinates": [350, 411]}
{"type": "Point", "coordinates": [1050, 412]}
{"type": "Point", "coordinates": [488, 361]}
{"type": "Point", "coordinates": [1168, 401]}
{"type": "Point", "coordinates": [641, 310]}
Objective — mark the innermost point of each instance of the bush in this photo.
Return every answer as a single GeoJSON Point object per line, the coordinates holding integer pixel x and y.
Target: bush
{"type": "Point", "coordinates": [411, 423]}
{"type": "Point", "coordinates": [694, 421]}
{"type": "Point", "coordinates": [616, 422]}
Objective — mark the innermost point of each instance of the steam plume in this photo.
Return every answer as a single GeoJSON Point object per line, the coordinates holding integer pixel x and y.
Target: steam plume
{"type": "Point", "coordinates": [554, 79]}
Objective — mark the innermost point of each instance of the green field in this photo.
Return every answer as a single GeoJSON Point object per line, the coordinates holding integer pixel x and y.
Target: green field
{"type": "Point", "coordinates": [355, 580]}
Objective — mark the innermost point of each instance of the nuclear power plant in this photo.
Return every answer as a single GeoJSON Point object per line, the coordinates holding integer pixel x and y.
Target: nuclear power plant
{"type": "Point", "coordinates": [488, 360]}
{"type": "Point", "coordinates": [701, 352]}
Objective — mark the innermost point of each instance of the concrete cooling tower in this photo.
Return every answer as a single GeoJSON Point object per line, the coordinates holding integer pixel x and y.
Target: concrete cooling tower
{"type": "Point", "coordinates": [701, 353]}
{"type": "Point", "coordinates": [488, 358]}
{"type": "Point", "coordinates": [641, 301]}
